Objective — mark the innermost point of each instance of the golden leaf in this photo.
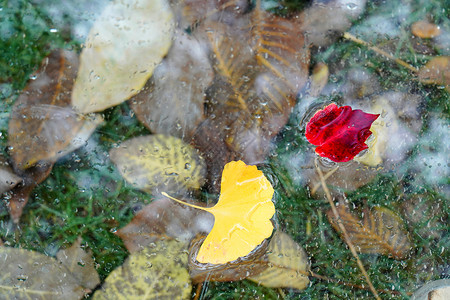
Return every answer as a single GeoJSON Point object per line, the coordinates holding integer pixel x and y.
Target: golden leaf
{"type": "Point", "coordinates": [380, 231]}
{"type": "Point", "coordinates": [157, 272]}
{"type": "Point", "coordinates": [242, 214]}
{"type": "Point", "coordinates": [155, 161]}
{"type": "Point", "coordinates": [124, 46]}
{"type": "Point", "coordinates": [288, 264]}
{"type": "Point", "coordinates": [425, 29]}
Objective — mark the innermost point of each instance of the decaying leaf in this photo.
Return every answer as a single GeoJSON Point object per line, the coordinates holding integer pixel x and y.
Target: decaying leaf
{"type": "Point", "coordinates": [164, 218]}
{"type": "Point", "coordinates": [8, 179]}
{"type": "Point", "coordinates": [425, 29]}
{"type": "Point", "coordinates": [436, 71]}
{"type": "Point", "coordinates": [379, 232]}
{"type": "Point", "coordinates": [157, 162]}
{"type": "Point", "coordinates": [239, 269]}
{"type": "Point", "coordinates": [242, 214]}
{"type": "Point", "coordinates": [124, 46]}
{"type": "Point", "coordinates": [173, 99]}
{"type": "Point", "coordinates": [287, 264]}
{"type": "Point", "coordinates": [43, 125]}
{"type": "Point", "coordinates": [31, 275]}
{"type": "Point", "coordinates": [261, 63]}
{"type": "Point", "coordinates": [157, 272]}
{"type": "Point", "coordinates": [17, 198]}
{"type": "Point", "coordinates": [80, 264]}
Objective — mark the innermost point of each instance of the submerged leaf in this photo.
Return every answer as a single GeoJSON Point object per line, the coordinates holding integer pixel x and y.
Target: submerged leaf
{"type": "Point", "coordinates": [425, 29]}
{"type": "Point", "coordinates": [80, 264]}
{"type": "Point", "coordinates": [380, 232]}
{"type": "Point", "coordinates": [157, 272]}
{"type": "Point", "coordinates": [43, 125]}
{"type": "Point", "coordinates": [173, 99]}
{"type": "Point", "coordinates": [287, 264]}
{"type": "Point", "coordinates": [156, 161]}
{"type": "Point", "coordinates": [164, 218]}
{"type": "Point", "coordinates": [31, 275]}
{"type": "Point", "coordinates": [339, 132]}
{"type": "Point", "coordinates": [124, 46]}
{"type": "Point", "coordinates": [242, 214]}
{"type": "Point", "coordinates": [8, 179]}
{"type": "Point", "coordinates": [436, 71]}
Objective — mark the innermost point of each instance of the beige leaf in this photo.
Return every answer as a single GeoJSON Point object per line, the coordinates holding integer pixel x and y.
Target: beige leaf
{"type": "Point", "coordinates": [8, 179]}
{"type": "Point", "coordinates": [157, 272]}
{"type": "Point", "coordinates": [155, 161]}
{"type": "Point", "coordinates": [436, 71]}
{"type": "Point", "coordinates": [123, 48]}
{"type": "Point", "coordinates": [288, 264]}
{"type": "Point", "coordinates": [80, 263]}
{"type": "Point", "coordinates": [31, 275]}
{"type": "Point", "coordinates": [425, 29]}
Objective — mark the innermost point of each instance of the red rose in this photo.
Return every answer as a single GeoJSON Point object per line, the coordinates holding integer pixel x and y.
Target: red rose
{"type": "Point", "coordinates": [339, 132]}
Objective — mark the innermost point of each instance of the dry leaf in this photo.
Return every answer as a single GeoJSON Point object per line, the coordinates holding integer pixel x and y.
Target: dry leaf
{"type": "Point", "coordinates": [436, 71]}
{"type": "Point", "coordinates": [379, 232]}
{"type": "Point", "coordinates": [172, 101]}
{"type": "Point", "coordinates": [17, 198]}
{"type": "Point", "coordinates": [287, 264]}
{"type": "Point", "coordinates": [81, 265]}
{"type": "Point", "coordinates": [8, 179]}
{"type": "Point", "coordinates": [241, 216]}
{"type": "Point", "coordinates": [157, 272]}
{"type": "Point", "coordinates": [164, 218]}
{"type": "Point", "coordinates": [32, 275]}
{"type": "Point", "coordinates": [124, 46]}
{"type": "Point", "coordinates": [238, 269]}
{"type": "Point", "coordinates": [157, 162]}
{"type": "Point", "coordinates": [425, 29]}
{"type": "Point", "coordinates": [43, 126]}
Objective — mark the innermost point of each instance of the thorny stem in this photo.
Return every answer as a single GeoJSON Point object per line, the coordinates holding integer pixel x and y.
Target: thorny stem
{"type": "Point", "coordinates": [344, 231]}
{"type": "Point", "coordinates": [353, 38]}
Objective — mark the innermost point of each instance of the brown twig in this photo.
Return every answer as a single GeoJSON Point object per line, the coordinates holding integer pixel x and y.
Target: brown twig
{"type": "Point", "coordinates": [353, 38]}
{"type": "Point", "coordinates": [198, 291]}
{"type": "Point", "coordinates": [344, 231]}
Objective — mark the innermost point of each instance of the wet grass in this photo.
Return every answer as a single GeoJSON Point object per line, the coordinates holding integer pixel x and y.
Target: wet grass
{"type": "Point", "coordinates": [64, 207]}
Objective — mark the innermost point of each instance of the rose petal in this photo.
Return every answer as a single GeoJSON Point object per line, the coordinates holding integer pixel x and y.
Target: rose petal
{"type": "Point", "coordinates": [339, 132]}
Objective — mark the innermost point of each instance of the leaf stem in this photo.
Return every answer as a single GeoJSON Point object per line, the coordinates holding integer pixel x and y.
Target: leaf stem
{"type": "Point", "coordinates": [185, 203]}
{"type": "Point", "coordinates": [353, 38]}
{"type": "Point", "coordinates": [344, 231]}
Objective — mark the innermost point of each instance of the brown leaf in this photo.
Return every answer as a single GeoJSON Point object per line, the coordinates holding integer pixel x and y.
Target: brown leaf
{"type": "Point", "coordinates": [43, 125]}
{"type": "Point", "coordinates": [379, 232]}
{"type": "Point", "coordinates": [261, 63]}
{"type": "Point", "coordinates": [287, 264]}
{"type": "Point", "coordinates": [18, 197]}
{"type": "Point", "coordinates": [80, 264]}
{"type": "Point", "coordinates": [172, 100]}
{"type": "Point", "coordinates": [164, 218]}
{"type": "Point", "coordinates": [8, 179]}
{"type": "Point", "coordinates": [425, 29]}
{"type": "Point", "coordinates": [238, 269]}
{"type": "Point", "coordinates": [436, 71]}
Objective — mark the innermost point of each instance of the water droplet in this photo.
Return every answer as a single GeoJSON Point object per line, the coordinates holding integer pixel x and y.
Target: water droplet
{"type": "Point", "coordinates": [352, 6]}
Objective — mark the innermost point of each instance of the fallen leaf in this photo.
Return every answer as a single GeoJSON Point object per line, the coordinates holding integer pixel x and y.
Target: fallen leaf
{"type": "Point", "coordinates": [80, 264]}
{"type": "Point", "coordinates": [261, 62]}
{"type": "Point", "coordinates": [436, 71]}
{"type": "Point", "coordinates": [17, 198]}
{"type": "Point", "coordinates": [238, 269]}
{"type": "Point", "coordinates": [242, 214]}
{"type": "Point", "coordinates": [153, 162]}
{"type": "Point", "coordinates": [339, 132]}
{"type": "Point", "coordinates": [425, 29]}
{"type": "Point", "coordinates": [32, 275]}
{"type": "Point", "coordinates": [164, 218]}
{"type": "Point", "coordinates": [8, 179]}
{"type": "Point", "coordinates": [287, 264]}
{"type": "Point", "coordinates": [43, 125]}
{"type": "Point", "coordinates": [157, 272]}
{"type": "Point", "coordinates": [124, 46]}
{"type": "Point", "coordinates": [172, 101]}
{"type": "Point", "coordinates": [379, 232]}
{"type": "Point", "coordinates": [433, 290]}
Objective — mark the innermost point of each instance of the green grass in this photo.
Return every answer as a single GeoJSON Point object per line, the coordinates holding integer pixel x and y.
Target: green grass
{"type": "Point", "coordinates": [86, 196]}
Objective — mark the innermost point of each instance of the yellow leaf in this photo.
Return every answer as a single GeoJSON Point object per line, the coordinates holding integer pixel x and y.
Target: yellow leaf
{"type": "Point", "coordinates": [242, 214]}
